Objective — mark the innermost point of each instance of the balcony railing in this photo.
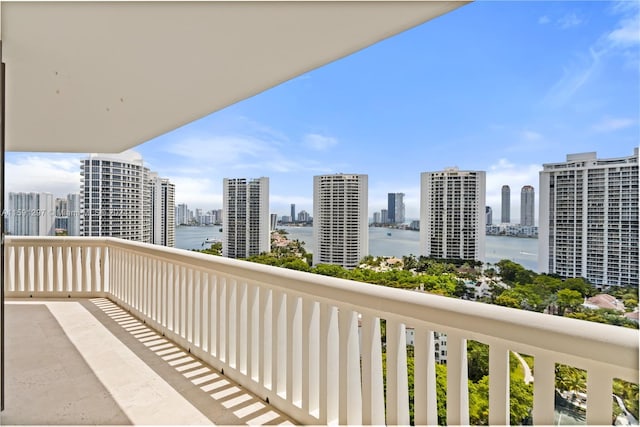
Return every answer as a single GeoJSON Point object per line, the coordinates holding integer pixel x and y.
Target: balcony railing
{"type": "Point", "coordinates": [293, 338]}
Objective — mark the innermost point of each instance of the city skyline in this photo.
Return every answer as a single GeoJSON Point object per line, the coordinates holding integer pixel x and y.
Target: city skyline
{"type": "Point", "coordinates": [409, 105]}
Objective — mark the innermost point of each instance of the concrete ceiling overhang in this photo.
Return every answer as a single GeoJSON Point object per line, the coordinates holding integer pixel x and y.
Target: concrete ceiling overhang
{"type": "Point", "coordinates": [107, 76]}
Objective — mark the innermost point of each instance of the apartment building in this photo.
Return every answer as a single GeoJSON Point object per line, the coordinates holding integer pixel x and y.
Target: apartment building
{"type": "Point", "coordinates": [340, 219]}
{"type": "Point", "coordinates": [589, 219]}
{"type": "Point", "coordinates": [119, 198]}
{"type": "Point", "coordinates": [30, 214]}
{"type": "Point", "coordinates": [246, 220]}
{"type": "Point", "coordinates": [452, 214]}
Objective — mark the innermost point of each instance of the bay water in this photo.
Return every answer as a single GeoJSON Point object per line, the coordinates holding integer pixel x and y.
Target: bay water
{"type": "Point", "coordinates": [382, 242]}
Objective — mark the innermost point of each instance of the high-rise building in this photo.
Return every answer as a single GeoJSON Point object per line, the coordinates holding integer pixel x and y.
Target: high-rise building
{"type": "Point", "coordinates": [527, 206]}
{"type": "Point", "coordinates": [588, 225]}
{"type": "Point", "coordinates": [61, 222]}
{"type": "Point", "coordinates": [384, 216]}
{"type": "Point", "coordinates": [73, 222]}
{"type": "Point", "coordinates": [119, 197]}
{"type": "Point", "coordinates": [245, 227]}
{"type": "Point", "coordinates": [293, 212]}
{"type": "Point", "coordinates": [376, 217]}
{"type": "Point", "coordinates": [452, 217]}
{"type": "Point", "coordinates": [506, 204]}
{"type": "Point", "coordinates": [274, 222]}
{"type": "Point", "coordinates": [182, 214]}
{"type": "Point", "coordinates": [395, 208]}
{"type": "Point", "coordinates": [31, 214]}
{"type": "Point", "coordinates": [340, 219]}
{"type": "Point", "coordinates": [489, 215]}
{"type": "Point", "coordinates": [303, 216]}
{"type": "Point", "coordinates": [112, 196]}
{"type": "Point", "coordinates": [163, 211]}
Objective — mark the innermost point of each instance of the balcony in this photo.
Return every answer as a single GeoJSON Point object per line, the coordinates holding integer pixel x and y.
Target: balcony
{"type": "Point", "coordinates": [127, 315]}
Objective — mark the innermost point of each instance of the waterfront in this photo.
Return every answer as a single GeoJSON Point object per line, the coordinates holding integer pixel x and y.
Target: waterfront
{"type": "Point", "coordinates": [524, 251]}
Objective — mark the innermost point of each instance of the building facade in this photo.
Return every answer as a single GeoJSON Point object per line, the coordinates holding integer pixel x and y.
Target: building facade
{"type": "Point", "coordinates": [452, 214]}
{"type": "Point", "coordinates": [340, 219]}
{"type": "Point", "coordinates": [31, 214]}
{"type": "Point", "coordinates": [73, 220]}
{"type": "Point", "coordinates": [246, 219]}
{"type": "Point", "coordinates": [527, 206]}
{"type": "Point", "coordinates": [506, 205]}
{"type": "Point", "coordinates": [395, 208]}
{"type": "Point", "coordinates": [163, 229]}
{"type": "Point", "coordinates": [488, 215]}
{"type": "Point", "coordinates": [119, 198]}
{"type": "Point", "coordinates": [589, 219]}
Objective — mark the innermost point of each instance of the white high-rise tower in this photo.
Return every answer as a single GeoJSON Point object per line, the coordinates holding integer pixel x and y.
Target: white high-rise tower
{"type": "Point", "coordinates": [452, 214]}
{"type": "Point", "coordinates": [340, 219]}
{"type": "Point", "coordinates": [246, 220]}
{"type": "Point", "coordinates": [589, 219]}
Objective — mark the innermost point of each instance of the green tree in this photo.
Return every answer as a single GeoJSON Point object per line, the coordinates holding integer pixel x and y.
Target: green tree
{"type": "Point", "coordinates": [568, 299]}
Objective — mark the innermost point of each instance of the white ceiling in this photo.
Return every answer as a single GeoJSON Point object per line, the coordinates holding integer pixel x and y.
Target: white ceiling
{"type": "Point", "coordinates": [107, 76]}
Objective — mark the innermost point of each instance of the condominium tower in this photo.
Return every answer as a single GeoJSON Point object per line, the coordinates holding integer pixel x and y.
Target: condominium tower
{"type": "Point", "coordinates": [246, 219]}
{"type": "Point", "coordinates": [30, 214]}
{"type": "Point", "coordinates": [163, 193]}
{"type": "Point", "coordinates": [506, 204]}
{"type": "Point", "coordinates": [452, 214]}
{"type": "Point", "coordinates": [395, 205]}
{"type": "Point", "coordinates": [340, 219]}
{"type": "Point", "coordinates": [527, 206]}
{"type": "Point", "coordinates": [589, 219]}
{"type": "Point", "coordinates": [117, 199]}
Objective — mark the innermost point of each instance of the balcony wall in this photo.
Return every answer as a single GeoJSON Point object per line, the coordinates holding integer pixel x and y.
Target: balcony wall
{"type": "Point", "coordinates": [294, 338]}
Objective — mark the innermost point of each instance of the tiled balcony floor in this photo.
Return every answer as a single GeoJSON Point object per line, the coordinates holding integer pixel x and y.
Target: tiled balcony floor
{"type": "Point", "coordinates": [87, 361]}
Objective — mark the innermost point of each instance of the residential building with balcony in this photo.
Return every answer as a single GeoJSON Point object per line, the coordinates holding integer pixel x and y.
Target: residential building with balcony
{"type": "Point", "coordinates": [527, 206]}
{"type": "Point", "coordinates": [340, 219]}
{"type": "Point", "coordinates": [506, 205]}
{"type": "Point", "coordinates": [245, 225]}
{"type": "Point", "coordinates": [163, 210]}
{"type": "Point", "coordinates": [30, 214]}
{"type": "Point", "coordinates": [452, 214]}
{"type": "Point", "coordinates": [589, 219]}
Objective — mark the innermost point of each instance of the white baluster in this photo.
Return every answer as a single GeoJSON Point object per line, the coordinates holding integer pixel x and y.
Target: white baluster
{"type": "Point", "coordinates": [499, 411]}
{"type": "Point", "coordinates": [425, 391]}
{"type": "Point", "coordinates": [397, 381]}
{"type": "Point", "coordinates": [329, 364]}
{"type": "Point", "coordinates": [457, 385]}
{"type": "Point", "coordinates": [310, 356]}
{"type": "Point", "coordinates": [544, 388]}
{"type": "Point", "coordinates": [294, 350]}
{"type": "Point", "coordinates": [350, 391]}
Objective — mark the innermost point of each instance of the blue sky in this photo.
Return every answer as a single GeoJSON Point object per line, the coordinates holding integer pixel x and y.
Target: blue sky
{"type": "Point", "coordinates": [495, 85]}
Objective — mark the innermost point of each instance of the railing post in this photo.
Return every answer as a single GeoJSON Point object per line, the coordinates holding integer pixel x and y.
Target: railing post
{"type": "Point", "coordinates": [350, 390]}
{"type": "Point", "coordinates": [397, 381]}
{"type": "Point", "coordinates": [499, 413]}
{"type": "Point", "coordinates": [372, 382]}
{"type": "Point", "coordinates": [544, 387]}
{"type": "Point", "coordinates": [425, 393]}
{"type": "Point", "coordinates": [457, 385]}
{"type": "Point", "coordinates": [599, 396]}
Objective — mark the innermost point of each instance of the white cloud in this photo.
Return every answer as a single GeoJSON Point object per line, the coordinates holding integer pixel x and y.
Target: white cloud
{"type": "Point", "coordinates": [504, 172]}
{"type": "Point", "coordinates": [56, 174]}
{"type": "Point", "coordinates": [544, 20]}
{"type": "Point", "coordinates": [574, 78]}
{"type": "Point", "coordinates": [530, 135]}
{"type": "Point", "coordinates": [569, 20]}
{"type": "Point", "coordinates": [611, 124]}
{"type": "Point", "coordinates": [201, 193]}
{"type": "Point", "coordinates": [318, 142]}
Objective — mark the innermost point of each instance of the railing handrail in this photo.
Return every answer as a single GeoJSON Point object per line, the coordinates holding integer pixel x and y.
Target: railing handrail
{"type": "Point", "coordinates": [606, 344]}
